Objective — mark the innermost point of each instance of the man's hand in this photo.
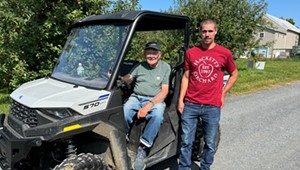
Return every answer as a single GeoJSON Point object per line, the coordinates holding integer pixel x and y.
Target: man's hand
{"type": "Point", "coordinates": [144, 110]}
{"type": "Point", "coordinates": [222, 101]}
{"type": "Point", "coordinates": [183, 89]}
{"type": "Point", "coordinates": [180, 106]}
{"type": "Point", "coordinates": [127, 78]}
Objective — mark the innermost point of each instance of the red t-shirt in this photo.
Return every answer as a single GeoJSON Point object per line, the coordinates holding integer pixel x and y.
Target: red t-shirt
{"type": "Point", "coordinates": [206, 68]}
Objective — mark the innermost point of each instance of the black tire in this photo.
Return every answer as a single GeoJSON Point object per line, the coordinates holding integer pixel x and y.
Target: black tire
{"type": "Point", "coordinates": [198, 143]}
{"type": "Point", "coordinates": [82, 161]}
{"type": "Point", "coordinates": [3, 163]}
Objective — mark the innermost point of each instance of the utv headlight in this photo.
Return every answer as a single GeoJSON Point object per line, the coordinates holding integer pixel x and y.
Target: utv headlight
{"type": "Point", "coordinates": [59, 113]}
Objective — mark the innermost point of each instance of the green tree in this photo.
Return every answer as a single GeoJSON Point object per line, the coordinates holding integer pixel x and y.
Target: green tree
{"type": "Point", "coordinates": [33, 32]}
{"type": "Point", "coordinates": [291, 20]}
{"type": "Point", "coordinates": [238, 20]}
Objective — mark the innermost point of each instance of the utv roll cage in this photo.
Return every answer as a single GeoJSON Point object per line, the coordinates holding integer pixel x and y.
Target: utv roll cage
{"type": "Point", "coordinates": [141, 21]}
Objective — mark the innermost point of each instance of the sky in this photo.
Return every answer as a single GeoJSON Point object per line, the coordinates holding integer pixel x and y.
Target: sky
{"type": "Point", "coordinates": [277, 8]}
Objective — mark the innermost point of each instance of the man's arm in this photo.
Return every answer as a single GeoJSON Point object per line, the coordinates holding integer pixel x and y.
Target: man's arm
{"type": "Point", "coordinates": [183, 89]}
{"type": "Point", "coordinates": [162, 94]}
{"type": "Point", "coordinates": [158, 98]}
{"type": "Point", "coordinates": [232, 79]}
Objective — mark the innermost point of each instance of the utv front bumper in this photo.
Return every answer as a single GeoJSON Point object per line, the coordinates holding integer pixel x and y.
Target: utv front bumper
{"type": "Point", "coordinates": [14, 149]}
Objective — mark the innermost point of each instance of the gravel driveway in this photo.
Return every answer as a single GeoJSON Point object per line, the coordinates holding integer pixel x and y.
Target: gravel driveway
{"type": "Point", "coordinates": [260, 131]}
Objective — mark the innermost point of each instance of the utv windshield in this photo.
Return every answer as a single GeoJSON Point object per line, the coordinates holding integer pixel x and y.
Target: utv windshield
{"type": "Point", "coordinates": [89, 55]}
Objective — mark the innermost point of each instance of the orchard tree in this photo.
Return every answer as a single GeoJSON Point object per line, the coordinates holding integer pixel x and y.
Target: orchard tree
{"type": "Point", "coordinates": [10, 27]}
{"type": "Point", "coordinates": [238, 20]}
{"type": "Point", "coordinates": [33, 32]}
{"type": "Point", "coordinates": [291, 20]}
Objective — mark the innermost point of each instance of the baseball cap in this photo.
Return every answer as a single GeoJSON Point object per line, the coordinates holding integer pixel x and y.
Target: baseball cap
{"type": "Point", "coordinates": [152, 45]}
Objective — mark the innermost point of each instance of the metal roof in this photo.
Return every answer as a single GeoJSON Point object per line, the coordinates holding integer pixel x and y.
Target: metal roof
{"type": "Point", "coordinates": [283, 23]}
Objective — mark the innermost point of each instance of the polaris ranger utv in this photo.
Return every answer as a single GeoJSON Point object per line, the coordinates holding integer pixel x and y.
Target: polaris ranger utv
{"type": "Point", "coordinates": [73, 119]}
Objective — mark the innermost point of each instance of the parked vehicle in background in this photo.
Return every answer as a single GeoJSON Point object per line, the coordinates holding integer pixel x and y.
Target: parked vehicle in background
{"type": "Point", "coordinates": [296, 51]}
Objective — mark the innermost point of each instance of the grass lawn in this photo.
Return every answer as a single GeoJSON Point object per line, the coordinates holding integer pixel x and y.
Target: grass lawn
{"type": "Point", "coordinates": [276, 72]}
{"type": "Point", "coordinates": [4, 101]}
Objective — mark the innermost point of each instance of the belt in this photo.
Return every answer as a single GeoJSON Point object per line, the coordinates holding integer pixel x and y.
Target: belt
{"type": "Point", "coordinates": [199, 104]}
{"type": "Point", "coordinates": [143, 95]}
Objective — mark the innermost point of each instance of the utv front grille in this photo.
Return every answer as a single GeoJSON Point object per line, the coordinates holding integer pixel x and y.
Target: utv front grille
{"type": "Point", "coordinates": [24, 114]}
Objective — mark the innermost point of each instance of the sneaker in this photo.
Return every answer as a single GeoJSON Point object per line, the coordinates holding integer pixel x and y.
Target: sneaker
{"type": "Point", "coordinates": [139, 163]}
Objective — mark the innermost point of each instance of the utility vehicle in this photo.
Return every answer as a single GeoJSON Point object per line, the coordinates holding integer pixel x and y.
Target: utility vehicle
{"type": "Point", "coordinates": [73, 119]}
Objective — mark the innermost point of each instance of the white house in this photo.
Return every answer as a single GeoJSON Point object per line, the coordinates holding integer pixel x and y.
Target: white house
{"type": "Point", "coordinates": [280, 37]}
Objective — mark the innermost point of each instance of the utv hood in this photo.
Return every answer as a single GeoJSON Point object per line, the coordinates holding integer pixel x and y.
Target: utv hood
{"type": "Point", "coordinates": [51, 93]}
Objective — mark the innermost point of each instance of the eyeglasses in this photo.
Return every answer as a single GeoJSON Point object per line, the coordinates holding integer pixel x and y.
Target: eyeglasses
{"type": "Point", "coordinates": [151, 52]}
{"type": "Point", "coordinates": [205, 31]}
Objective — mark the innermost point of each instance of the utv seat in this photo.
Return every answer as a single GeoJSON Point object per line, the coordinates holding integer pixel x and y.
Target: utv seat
{"type": "Point", "coordinates": [126, 67]}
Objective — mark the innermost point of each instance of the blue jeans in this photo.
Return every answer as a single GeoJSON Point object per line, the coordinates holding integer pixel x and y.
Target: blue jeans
{"type": "Point", "coordinates": [210, 116]}
{"type": "Point", "coordinates": [154, 117]}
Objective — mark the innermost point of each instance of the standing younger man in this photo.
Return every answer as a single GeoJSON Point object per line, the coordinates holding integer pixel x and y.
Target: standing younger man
{"type": "Point", "coordinates": [202, 95]}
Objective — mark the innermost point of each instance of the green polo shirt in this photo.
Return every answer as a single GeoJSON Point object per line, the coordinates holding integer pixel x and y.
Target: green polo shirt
{"type": "Point", "coordinates": [148, 81]}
